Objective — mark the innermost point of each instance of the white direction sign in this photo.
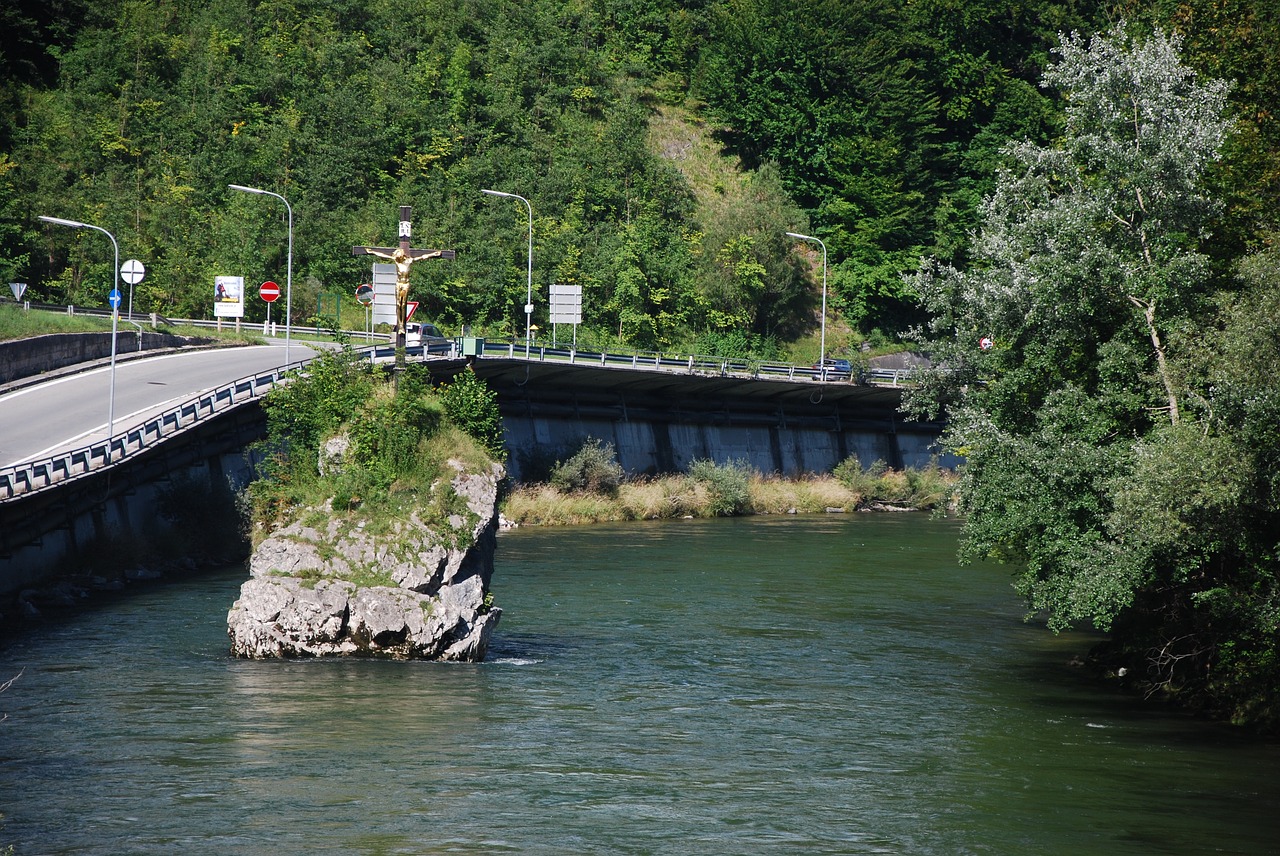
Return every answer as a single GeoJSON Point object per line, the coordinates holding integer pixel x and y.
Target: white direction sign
{"type": "Point", "coordinates": [566, 304]}
{"type": "Point", "coordinates": [384, 291]}
{"type": "Point", "coordinates": [132, 271]}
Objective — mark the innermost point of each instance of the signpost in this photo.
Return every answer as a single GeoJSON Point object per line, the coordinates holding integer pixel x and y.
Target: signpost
{"type": "Point", "coordinates": [365, 296]}
{"type": "Point", "coordinates": [269, 292]}
{"type": "Point", "coordinates": [384, 289]}
{"type": "Point", "coordinates": [566, 308]}
{"type": "Point", "coordinates": [17, 288]}
{"type": "Point", "coordinates": [228, 297]}
{"type": "Point", "coordinates": [132, 272]}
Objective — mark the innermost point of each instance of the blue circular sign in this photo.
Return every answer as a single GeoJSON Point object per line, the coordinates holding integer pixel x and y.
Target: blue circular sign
{"type": "Point", "coordinates": [114, 298]}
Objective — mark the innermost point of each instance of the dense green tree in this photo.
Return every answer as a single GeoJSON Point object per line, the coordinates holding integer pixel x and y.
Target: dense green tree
{"type": "Point", "coordinates": [1098, 459]}
{"type": "Point", "coordinates": [884, 118]}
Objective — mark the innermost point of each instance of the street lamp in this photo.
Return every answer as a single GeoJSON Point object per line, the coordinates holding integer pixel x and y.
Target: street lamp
{"type": "Point", "coordinates": [115, 313]}
{"type": "Point", "coordinates": [288, 276]}
{"type": "Point", "coordinates": [822, 344]}
{"type": "Point", "coordinates": [528, 301]}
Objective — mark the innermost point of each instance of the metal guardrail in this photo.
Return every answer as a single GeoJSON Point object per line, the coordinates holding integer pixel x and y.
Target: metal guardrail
{"type": "Point", "coordinates": [694, 364]}
{"type": "Point", "coordinates": [34, 476]}
{"type": "Point", "coordinates": [153, 319]}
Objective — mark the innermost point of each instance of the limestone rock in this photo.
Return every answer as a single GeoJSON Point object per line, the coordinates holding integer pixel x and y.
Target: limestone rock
{"type": "Point", "coordinates": [300, 602]}
{"type": "Point", "coordinates": [333, 452]}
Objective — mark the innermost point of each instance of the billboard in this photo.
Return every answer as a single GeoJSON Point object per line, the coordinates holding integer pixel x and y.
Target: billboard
{"type": "Point", "coordinates": [228, 297]}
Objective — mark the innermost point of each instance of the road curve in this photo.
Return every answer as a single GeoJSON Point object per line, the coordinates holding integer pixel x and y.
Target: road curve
{"type": "Point", "coordinates": [72, 411]}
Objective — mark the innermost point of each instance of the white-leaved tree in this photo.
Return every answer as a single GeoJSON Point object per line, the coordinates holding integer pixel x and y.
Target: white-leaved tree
{"type": "Point", "coordinates": [1070, 369]}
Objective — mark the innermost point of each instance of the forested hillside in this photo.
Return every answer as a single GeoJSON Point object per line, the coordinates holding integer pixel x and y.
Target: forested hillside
{"type": "Point", "coordinates": [872, 124]}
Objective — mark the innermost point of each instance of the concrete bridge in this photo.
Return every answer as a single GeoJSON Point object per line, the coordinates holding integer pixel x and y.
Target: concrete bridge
{"type": "Point", "coordinates": [660, 413]}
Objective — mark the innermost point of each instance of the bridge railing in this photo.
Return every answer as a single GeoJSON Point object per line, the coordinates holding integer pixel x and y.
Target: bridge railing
{"type": "Point", "coordinates": [693, 364]}
{"type": "Point", "coordinates": [25, 478]}
{"type": "Point", "coordinates": [696, 364]}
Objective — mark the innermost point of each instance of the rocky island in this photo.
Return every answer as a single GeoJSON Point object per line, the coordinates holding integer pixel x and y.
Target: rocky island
{"type": "Point", "coordinates": [300, 600]}
{"type": "Point", "coordinates": [375, 524]}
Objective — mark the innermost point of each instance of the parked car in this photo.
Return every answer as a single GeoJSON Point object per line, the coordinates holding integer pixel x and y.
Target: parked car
{"type": "Point", "coordinates": [422, 334]}
{"type": "Point", "coordinates": [834, 369]}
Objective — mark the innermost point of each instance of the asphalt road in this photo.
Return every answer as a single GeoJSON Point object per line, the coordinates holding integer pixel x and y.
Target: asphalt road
{"type": "Point", "coordinates": [73, 411]}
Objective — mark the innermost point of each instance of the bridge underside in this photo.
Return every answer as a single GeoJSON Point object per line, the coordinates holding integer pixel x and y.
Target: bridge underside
{"type": "Point", "coordinates": [661, 421]}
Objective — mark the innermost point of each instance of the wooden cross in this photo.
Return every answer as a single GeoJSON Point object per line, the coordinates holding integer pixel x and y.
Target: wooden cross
{"type": "Point", "coordinates": [403, 257]}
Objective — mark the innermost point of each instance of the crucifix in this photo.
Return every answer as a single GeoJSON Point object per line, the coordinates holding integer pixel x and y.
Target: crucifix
{"type": "Point", "coordinates": [403, 257]}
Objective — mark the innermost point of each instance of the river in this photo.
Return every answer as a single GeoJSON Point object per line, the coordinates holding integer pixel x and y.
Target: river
{"type": "Point", "coordinates": [800, 685]}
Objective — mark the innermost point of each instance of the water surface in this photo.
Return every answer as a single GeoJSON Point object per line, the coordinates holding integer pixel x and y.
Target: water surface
{"type": "Point", "coordinates": [766, 685]}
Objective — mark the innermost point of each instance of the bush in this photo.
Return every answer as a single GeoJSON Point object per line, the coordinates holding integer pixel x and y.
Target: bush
{"type": "Point", "coordinates": [310, 407]}
{"type": "Point", "coordinates": [928, 487]}
{"type": "Point", "coordinates": [473, 407]}
{"type": "Point", "coordinates": [593, 469]}
{"type": "Point", "coordinates": [729, 485]}
{"type": "Point", "coordinates": [387, 430]}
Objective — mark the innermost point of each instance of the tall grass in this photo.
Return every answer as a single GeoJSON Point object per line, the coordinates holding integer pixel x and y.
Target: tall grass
{"type": "Point", "coordinates": [681, 495]}
{"type": "Point", "coordinates": [16, 323]}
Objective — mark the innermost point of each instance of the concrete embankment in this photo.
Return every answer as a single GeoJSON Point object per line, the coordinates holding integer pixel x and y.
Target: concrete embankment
{"type": "Point", "coordinates": [22, 359]}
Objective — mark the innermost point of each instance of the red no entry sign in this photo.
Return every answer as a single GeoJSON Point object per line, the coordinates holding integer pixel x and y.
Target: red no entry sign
{"type": "Point", "coordinates": [269, 291]}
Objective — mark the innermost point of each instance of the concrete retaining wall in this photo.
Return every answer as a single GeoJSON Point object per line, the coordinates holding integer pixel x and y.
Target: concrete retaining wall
{"type": "Point", "coordinates": [135, 524]}
{"type": "Point", "coordinates": [664, 447]}
{"type": "Point", "coordinates": [30, 357]}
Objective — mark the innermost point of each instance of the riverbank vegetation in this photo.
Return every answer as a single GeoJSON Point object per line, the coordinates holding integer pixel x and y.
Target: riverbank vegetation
{"type": "Point", "coordinates": [590, 487]}
{"type": "Point", "coordinates": [1120, 424]}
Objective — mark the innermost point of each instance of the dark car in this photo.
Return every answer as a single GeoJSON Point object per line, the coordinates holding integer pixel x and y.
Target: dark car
{"type": "Point", "coordinates": [834, 369]}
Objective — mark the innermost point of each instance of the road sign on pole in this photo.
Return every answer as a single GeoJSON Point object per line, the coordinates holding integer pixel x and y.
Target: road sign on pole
{"type": "Point", "coordinates": [132, 271]}
{"type": "Point", "coordinates": [268, 291]}
{"type": "Point", "coordinates": [364, 293]}
{"type": "Point", "coordinates": [17, 288]}
{"type": "Point", "coordinates": [384, 287]}
{"type": "Point", "coordinates": [114, 298]}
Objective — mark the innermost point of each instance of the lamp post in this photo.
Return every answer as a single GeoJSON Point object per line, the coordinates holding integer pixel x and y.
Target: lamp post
{"type": "Point", "coordinates": [528, 301]}
{"type": "Point", "coordinates": [288, 276]}
{"type": "Point", "coordinates": [822, 344]}
{"type": "Point", "coordinates": [115, 313]}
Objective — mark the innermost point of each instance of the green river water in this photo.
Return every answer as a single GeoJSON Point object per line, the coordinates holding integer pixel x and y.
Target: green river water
{"type": "Point", "coordinates": [825, 684]}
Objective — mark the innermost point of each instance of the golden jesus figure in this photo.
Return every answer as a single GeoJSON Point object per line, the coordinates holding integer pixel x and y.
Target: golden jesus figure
{"type": "Point", "coordinates": [403, 257]}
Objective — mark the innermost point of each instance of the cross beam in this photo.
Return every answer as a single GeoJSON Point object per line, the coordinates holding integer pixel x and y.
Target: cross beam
{"type": "Point", "coordinates": [403, 257]}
